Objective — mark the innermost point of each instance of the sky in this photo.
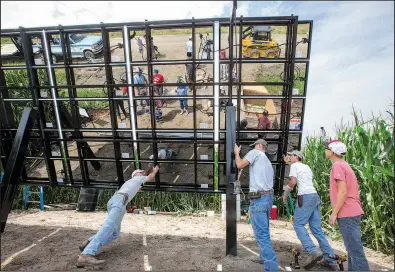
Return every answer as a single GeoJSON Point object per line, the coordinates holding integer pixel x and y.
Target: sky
{"type": "Point", "coordinates": [352, 57]}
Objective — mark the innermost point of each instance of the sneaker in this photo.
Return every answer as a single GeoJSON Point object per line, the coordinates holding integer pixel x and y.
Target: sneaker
{"type": "Point", "coordinates": [182, 112]}
{"type": "Point", "coordinates": [312, 259]}
{"type": "Point", "coordinates": [186, 112]}
{"type": "Point", "coordinates": [330, 266]}
{"type": "Point", "coordinates": [84, 245]}
{"type": "Point", "coordinates": [85, 260]}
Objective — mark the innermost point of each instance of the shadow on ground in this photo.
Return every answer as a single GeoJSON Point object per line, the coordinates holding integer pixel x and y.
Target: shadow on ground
{"type": "Point", "coordinates": [60, 251]}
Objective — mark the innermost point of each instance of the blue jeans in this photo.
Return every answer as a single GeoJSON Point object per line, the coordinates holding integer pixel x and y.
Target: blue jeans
{"type": "Point", "coordinates": [183, 104]}
{"type": "Point", "coordinates": [350, 228]}
{"type": "Point", "coordinates": [111, 228]}
{"type": "Point", "coordinates": [259, 216]}
{"type": "Point", "coordinates": [310, 213]}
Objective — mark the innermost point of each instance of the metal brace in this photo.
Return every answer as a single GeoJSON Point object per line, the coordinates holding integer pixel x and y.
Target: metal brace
{"type": "Point", "coordinates": [236, 187]}
{"type": "Point", "coordinates": [295, 255]}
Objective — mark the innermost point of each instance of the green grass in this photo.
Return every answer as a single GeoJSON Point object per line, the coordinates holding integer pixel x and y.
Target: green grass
{"type": "Point", "coordinates": [276, 90]}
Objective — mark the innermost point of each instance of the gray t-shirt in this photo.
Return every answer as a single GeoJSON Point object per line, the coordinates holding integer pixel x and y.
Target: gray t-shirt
{"type": "Point", "coordinates": [261, 171]}
{"type": "Point", "coordinates": [132, 186]}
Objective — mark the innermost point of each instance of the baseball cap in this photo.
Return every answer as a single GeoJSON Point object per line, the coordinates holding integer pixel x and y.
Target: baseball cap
{"type": "Point", "coordinates": [336, 147]}
{"type": "Point", "coordinates": [190, 37]}
{"type": "Point", "coordinates": [296, 153]}
{"type": "Point", "coordinates": [259, 141]}
{"type": "Point", "coordinates": [139, 70]}
{"type": "Point", "coordinates": [136, 172]}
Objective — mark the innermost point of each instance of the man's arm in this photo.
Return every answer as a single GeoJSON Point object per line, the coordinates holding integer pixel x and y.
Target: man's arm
{"type": "Point", "coordinates": [292, 182]}
{"type": "Point", "coordinates": [341, 196]}
{"type": "Point", "coordinates": [152, 175]}
{"type": "Point", "coordinates": [240, 163]}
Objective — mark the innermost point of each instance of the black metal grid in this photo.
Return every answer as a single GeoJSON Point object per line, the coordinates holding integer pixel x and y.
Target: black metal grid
{"type": "Point", "coordinates": [156, 135]}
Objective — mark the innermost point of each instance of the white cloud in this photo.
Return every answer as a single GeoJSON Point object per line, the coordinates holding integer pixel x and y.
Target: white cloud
{"type": "Point", "coordinates": [352, 63]}
{"type": "Point", "coordinates": [47, 13]}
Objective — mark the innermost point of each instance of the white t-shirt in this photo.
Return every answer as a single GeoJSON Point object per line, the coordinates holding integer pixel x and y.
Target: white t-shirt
{"type": "Point", "coordinates": [132, 186]}
{"type": "Point", "coordinates": [304, 178]}
{"type": "Point", "coordinates": [189, 46]}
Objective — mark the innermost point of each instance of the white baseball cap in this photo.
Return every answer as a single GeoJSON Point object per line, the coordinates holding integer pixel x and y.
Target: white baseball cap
{"type": "Point", "coordinates": [336, 147]}
{"type": "Point", "coordinates": [296, 153]}
{"type": "Point", "coordinates": [136, 172]}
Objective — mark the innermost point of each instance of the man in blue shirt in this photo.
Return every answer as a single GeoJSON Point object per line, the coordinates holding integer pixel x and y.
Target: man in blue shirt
{"type": "Point", "coordinates": [182, 91]}
{"type": "Point", "coordinates": [139, 78]}
{"type": "Point", "coordinates": [261, 198]}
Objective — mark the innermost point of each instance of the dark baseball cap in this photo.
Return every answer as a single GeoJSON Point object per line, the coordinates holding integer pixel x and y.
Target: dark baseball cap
{"type": "Point", "coordinates": [259, 141]}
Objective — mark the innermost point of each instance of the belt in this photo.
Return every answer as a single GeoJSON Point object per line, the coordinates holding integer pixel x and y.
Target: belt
{"type": "Point", "coordinates": [125, 197]}
{"type": "Point", "coordinates": [253, 195]}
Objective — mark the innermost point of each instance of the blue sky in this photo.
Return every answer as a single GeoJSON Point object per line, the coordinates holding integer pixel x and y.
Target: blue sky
{"type": "Point", "coordinates": [352, 61]}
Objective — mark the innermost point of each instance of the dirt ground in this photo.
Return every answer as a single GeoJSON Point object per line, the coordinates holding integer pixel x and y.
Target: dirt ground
{"type": "Point", "coordinates": [49, 241]}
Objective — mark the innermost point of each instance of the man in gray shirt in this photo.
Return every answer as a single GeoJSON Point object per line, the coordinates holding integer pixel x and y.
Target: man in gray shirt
{"type": "Point", "coordinates": [261, 198]}
{"type": "Point", "coordinates": [116, 208]}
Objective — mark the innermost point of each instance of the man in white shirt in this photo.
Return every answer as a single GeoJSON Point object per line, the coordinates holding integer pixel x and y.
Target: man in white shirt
{"type": "Point", "coordinates": [307, 210]}
{"type": "Point", "coordinates": [261, 199]}
{"type": "Point", "coordinates": [189, 47]}
{"type": "Point", "coordinates": [116, 208]}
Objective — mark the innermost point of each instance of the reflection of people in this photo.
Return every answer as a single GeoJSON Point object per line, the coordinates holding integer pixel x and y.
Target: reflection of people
{"type": "Point", "coordinates": [307, 210]}
{"type": "Point", "coordinates": [182, 91]}
{"type": "Point", "coordinates": [189, 69]}
{"type": "Point", "coordinates": [189, 47]}
{"type": "Point", "coordinates": [243, 126]}
{"type": "Point", "coordinates": [139, 78]}
{"type": "Point", "coordinates": [116, 208]}
{"type": "Point", "coordinates": [346, 205]}
{"type": "Point", "coordinates": [261, 198]}
{"type": "Point", "coordinates": [119, 103]}
{"type": "Point", "coordinates": [165, 153]}
{"type": "Point", "coordinates": [158, 80]}
{"type": "Point", "coordinates": [263, 123]}
{"type": "Point", "coordinates": [140, 46]}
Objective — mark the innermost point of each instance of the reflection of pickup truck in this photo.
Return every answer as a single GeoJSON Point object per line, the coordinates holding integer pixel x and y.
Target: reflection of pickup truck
{"type": "Point", "coordinates": [80, 45]}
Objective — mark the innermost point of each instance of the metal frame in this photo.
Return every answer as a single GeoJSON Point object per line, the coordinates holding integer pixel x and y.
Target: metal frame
{"type": "Point", "coordinates": [15, 164]}
{"type": "Point", "coordinates": [193, 136]}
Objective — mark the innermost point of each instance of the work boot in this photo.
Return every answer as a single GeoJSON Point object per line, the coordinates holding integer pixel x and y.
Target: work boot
{"type": "Point", "coordinates": [84, 245]}
{"type": "Point", "coordinates": [330, 266]}
{"type": "Point", "coordinates": [258, 261]}
{"type": "Point", "coordinates": [312, 259]}
{"type": "Point", "coordinates": [85, 260]}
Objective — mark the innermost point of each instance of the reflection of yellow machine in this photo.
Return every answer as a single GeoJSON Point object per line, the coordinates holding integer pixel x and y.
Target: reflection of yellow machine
{"type": "Point", "coordinates": [253, 108]}
{"type": "Point", "coordinates": [257, 43]}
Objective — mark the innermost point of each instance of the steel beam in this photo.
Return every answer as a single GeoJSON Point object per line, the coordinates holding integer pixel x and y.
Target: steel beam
{"type": "Point", "coordinates": [15, 163]}
{"type": "Point", "coordinates": [231, 226]}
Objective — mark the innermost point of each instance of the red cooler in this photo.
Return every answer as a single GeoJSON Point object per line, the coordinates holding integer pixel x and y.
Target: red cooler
{"type": "Point", "coordinates": [273, 212]}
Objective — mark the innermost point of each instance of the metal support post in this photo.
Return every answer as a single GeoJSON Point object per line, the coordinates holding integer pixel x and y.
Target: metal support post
{"type": "Point", "coordinates": [15, 163]}
{"type": "Point", "coordinates": [231, 226]}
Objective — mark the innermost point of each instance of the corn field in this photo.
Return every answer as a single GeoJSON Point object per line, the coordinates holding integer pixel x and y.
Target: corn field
{"type": "Point", "coordinates": [370, 152]}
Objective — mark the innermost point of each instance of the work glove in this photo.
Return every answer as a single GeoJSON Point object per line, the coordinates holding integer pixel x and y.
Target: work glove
{"type": "Point", "coordinates": [287, 190]}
